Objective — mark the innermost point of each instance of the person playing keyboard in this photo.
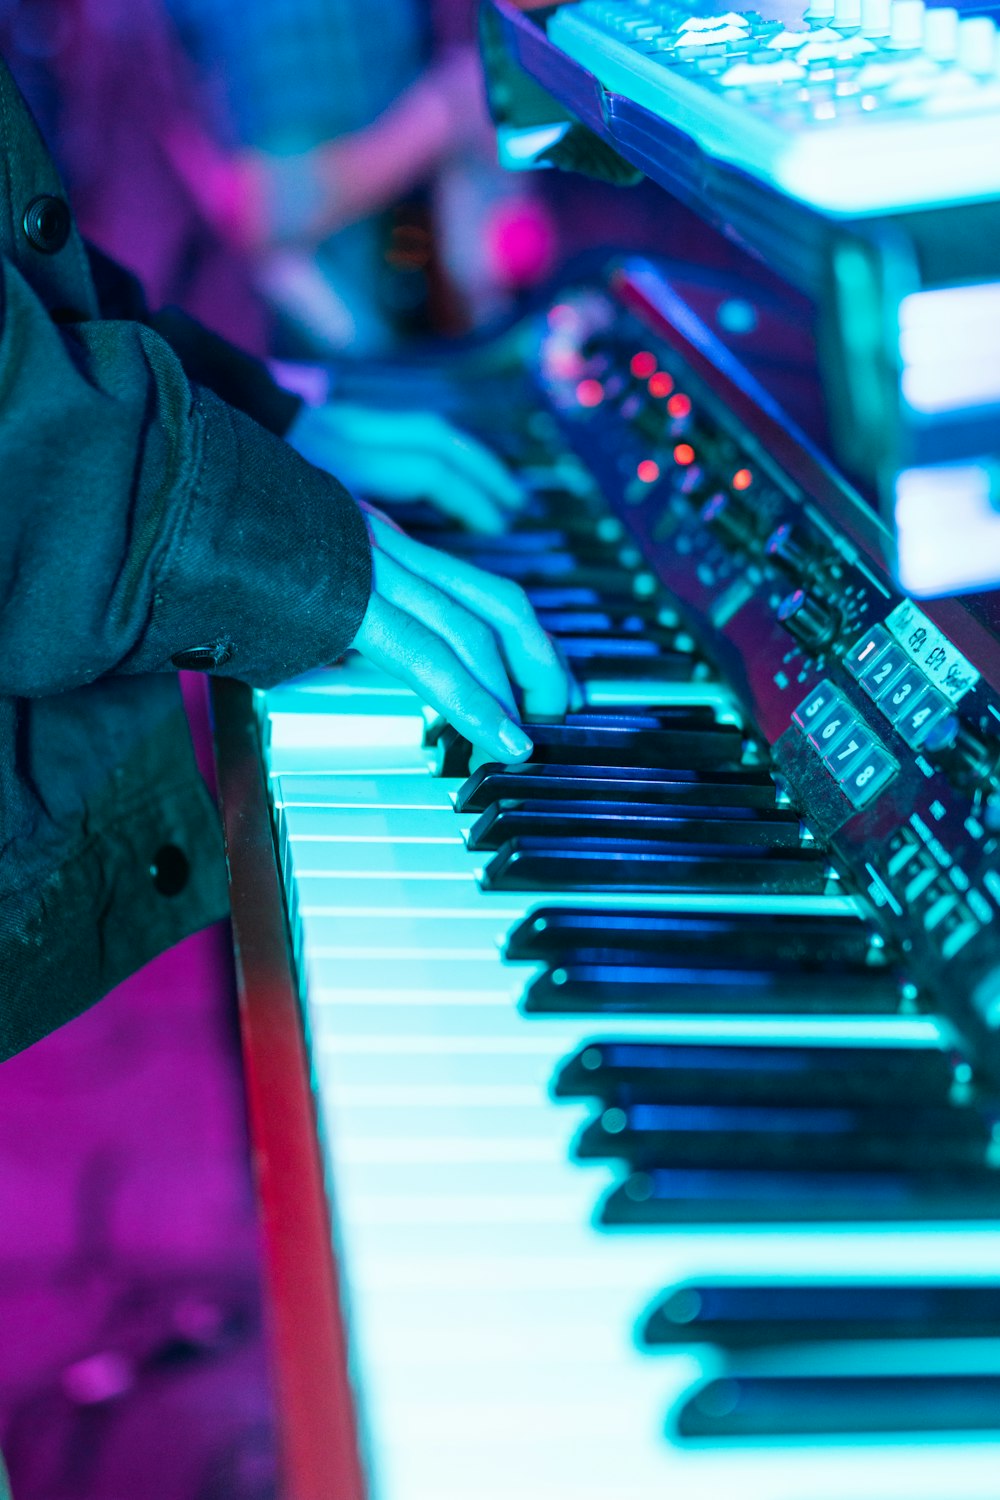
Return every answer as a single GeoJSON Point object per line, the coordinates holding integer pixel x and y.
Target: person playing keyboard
{"type": "Point", "coordinates": [149, 525]}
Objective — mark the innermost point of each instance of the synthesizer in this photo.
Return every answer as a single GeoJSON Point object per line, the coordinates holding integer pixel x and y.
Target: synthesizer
{"type": "Point", "coordinates": [655, 1079]}
{"type": "Point", "coordinates": [854, 106]}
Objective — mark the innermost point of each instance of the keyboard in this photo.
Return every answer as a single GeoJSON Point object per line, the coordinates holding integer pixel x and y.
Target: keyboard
{"type": "Point", "coordinates": [595, 1136]}
{"type": "Point", "coordinates": [660, 1158]}
{"type": "Point", "coordinates": [856, 107]}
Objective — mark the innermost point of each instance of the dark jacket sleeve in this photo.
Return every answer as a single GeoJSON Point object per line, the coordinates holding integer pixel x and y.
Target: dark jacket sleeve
{"type": "Point", "coordinates": [144, 517]}
{"type": "Point", "coordinates": [207, 359]}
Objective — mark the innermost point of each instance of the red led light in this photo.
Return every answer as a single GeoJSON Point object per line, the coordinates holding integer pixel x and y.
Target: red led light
{"type": "Point", "coordinates": [679, 405]}
{"type": "Point", "coordinates": [590, 393]}
{"type": "Point", "coordinates": [660, 384]}
{"type": "Point", "coordinates": [642, 364]}
{"type": "Point", "coordinates": [742, 479]}
{"type": "Point", "coordinates": [648, 471]}
{"type": "Point", "coordinates": [684, 454]}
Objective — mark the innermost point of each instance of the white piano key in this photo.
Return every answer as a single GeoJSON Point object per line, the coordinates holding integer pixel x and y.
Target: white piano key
{"type": "Point", "coordinates": [359, 788]}
{"type": "Point", "coordinates": [391, 897]}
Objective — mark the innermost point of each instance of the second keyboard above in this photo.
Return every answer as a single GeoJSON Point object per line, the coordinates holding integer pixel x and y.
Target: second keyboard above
{"type": "Point", "coordinates": [860, 106]}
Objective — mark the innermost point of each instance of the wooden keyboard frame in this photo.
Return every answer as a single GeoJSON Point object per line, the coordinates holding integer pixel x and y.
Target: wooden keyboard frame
{"type": "Point", "coordinates": [314, 1402]}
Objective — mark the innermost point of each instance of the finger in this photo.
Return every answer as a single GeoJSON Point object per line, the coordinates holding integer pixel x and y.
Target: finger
{"type": "Point", "coordinates": [481, 467]}
{"type": "Point", "coordinates": [426, 433]}
{"type": "Point", "coordinates": [530, 655]}
{"type": "Point", "coordinates": [404, 647]}
{"type": "Point", "coordinates": [472, 641]}
{"type": "Point", "coordinates": [454, 494]}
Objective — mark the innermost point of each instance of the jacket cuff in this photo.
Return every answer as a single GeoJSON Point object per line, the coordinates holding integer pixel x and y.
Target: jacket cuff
{"type": "Point", "coordinates": [268, 573]}
{"type": "Point", "coordinates": [239, 378]}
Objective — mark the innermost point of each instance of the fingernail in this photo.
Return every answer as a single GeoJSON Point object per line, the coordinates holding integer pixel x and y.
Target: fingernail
{"type": "Point", "coordinates": [514, 740]}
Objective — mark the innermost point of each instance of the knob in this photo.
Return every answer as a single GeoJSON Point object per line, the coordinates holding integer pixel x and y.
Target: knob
{"type": "Point", "coordinates": [846, 15]}
{"type": "Point", "coordinates": [906, 24]}
{"type": "Point", "coordinates": [814, 624]}
{"type": "Point", "coordinates": [874, 17]}
{"type": "Point", "coordinates": [730, 521]}
{"type": "Point", "coordinates": [787, 551]}
{"type": "Point", "coordinates": [970, 759]}
{"type": "Point", "coordinates": [976, 44]}
{"type": "Point", "coordinates": [941, 33]}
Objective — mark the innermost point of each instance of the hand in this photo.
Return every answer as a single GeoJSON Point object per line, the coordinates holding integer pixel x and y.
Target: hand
{"type": "Point", "coordinates": [408, 456]}
{"type": "Point", "coordinates": [458, 636]}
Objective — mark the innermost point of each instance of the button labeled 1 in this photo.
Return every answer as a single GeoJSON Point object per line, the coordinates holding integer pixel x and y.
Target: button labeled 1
{"type": "Point", "coordinates": [864, 653]}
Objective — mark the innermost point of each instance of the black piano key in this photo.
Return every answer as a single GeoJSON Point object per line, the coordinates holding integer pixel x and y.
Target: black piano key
{"type": "Point", "coordinates": [671, 716]}
{"type": "Point", "coordinates": [611, 648]}
{"type": "Point", "coordinates": [739, 1315]}
{"type": "Point", "coordinates": [809, 1138]}
{"type": "Point", "coordinates": [737, 939]}
{"type": "Point", "coordinates": [679, 989]}
{"type": "Point", "coordinates": [535, 864]}
{"type": "Point", "coordinates": [621, 602]}
{"type": "Point", "coordinates": [683, 1196]}
{"type": "Point", "coordinates": [614, 745]}
{"type": "Point", "coordinates": [530, 569]}
{"type": "Point", "coordinates": [666, 667]}
{"type": "Point", "coordinates": [491, 783]}
{"type": "Point", "coordinates": [776, 1406]}
{"type": "Point", "coordinates": [627, 820]}
{"type": "Point", "coordinates": [532, 539]}
{"type": "Point", "coordinates": [568, 596]}
{"type": "Point", "coordinates": [620, 1072]}
{"type": "Point", "coordinates": [631, 618]}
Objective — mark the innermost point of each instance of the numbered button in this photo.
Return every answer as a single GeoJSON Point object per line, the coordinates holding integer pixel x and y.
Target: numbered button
{"type": "Point", "coordinates": [866, 777]}
{"type": "Point", "coordinates": [812, 710]}
{"type": "Point", "coordinates": [881, 676]}
{"type": "Point", "coordinates": [839, 719]}
{"type": "Point", "coordinates": [922, 714]}
{"type": "Point", "coordinates": [848, 747]}
{"type": "Point", "coordinates": [866, 652]}
{"type": "Point", "coordinates": [904, 690]}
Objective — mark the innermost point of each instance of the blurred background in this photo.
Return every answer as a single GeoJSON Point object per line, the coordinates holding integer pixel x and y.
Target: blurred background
{"type": "Point", "coordinates": [314, 179]}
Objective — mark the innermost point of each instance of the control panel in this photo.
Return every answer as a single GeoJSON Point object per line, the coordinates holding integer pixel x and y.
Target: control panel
{"type": "Point", "coordinates": [885, 732]}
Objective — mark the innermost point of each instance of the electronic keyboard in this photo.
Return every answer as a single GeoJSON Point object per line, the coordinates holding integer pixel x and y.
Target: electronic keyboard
{"type": "Point", "coordinates": [854, 107]}
{"type": "Point", "coordinates": [655, 1078]}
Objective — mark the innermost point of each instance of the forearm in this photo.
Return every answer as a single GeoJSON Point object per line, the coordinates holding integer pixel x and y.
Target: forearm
{"type": "Point", "coordinates": [145, 517]}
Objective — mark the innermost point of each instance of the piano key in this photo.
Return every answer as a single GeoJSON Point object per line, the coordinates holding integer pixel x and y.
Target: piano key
{"type": "Point", "coordinates": [531, 863]}
{"type": "Point", "coordinates": [670, 716]}
{"type": "Point", "coordinates": [666, 667]}
{"type": "Point", "coordinates": [802, 943]}
{"type": "Point", "coordinates": [802, 1138]}
{"type": "Point", "coordinates": [629, 618]}
{"type": "Point", "coordinates": [611, 989]}
{"type": "Point", "coordinates": [609, 647]}
{"type": "Point", "coordinates": [711, 747]}
{"type": "Point", "coordinates": [490, 783]}
{"type": "Point", "coordinates": [748, 1406]}
{"type": "Point", "coordinates": [746, 1197]}
{"type": "Point", "coordinates": [329, 893]}
{"type": "Point", "coordinates": [739, 1315]}
{"type": "Point", "coordinates": [630, 820]}
{"type": "Point", "coordinates": [622, 1071]}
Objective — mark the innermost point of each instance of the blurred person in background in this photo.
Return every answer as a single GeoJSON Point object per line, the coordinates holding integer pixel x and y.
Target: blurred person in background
{"type": "Point", "coordinates": [335, 113]}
